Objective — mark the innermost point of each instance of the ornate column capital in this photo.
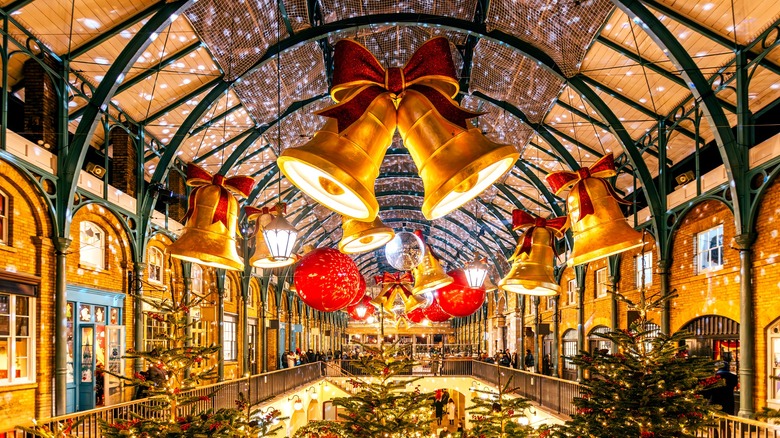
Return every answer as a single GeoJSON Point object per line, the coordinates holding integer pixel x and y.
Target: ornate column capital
{"type": "Point", "coordinates": [744, 241]}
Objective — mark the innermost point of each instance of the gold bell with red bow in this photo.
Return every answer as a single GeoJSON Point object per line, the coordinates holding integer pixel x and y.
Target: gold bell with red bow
{"type": "Point", "coordinates": [209, 236]}
{"type": "Point", "coordinates": [428, 275]}
{"type": "Point", "coordinates": [261, 257]}
{"type": "Point", "coordinates": [597, 223]}
{"type": "Point", "coordinates": [359, 236]}
{"type": "Point", "coordinates": [532, 271]}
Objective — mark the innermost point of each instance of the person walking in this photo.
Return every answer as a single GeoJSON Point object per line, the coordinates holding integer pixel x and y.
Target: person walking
{"type": "Point", "coordinates": [438, 406]}
{"type": "Point", "coordinates": [451, 412]}
{"type": "Point", "coordinates": [530, 363]}
{"type": "Point", "coordinates": [435, 365]}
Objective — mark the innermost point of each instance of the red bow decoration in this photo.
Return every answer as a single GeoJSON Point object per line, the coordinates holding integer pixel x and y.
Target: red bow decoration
{"type": "Point", "coordinates": [397, 278]}
{"type": "Point", "coordinates": [360, 78]}
{"type": "Point", "coordinates": [522, 219]}
{"type": "Point", "coordinates": [252, 212]}
{"type": "Point", "coordinates": [198, 178]}
{"type": "Point", "coordinates": [602, 169]}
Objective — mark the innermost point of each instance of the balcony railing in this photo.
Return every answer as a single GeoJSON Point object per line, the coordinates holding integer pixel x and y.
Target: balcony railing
{"type": "Point", "coordinates": [552, 394]}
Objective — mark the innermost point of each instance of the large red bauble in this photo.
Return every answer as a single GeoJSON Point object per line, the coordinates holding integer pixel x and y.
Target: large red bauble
{"type": "Point", "coordinates": [417, 315]}
{"type": "Point", "coordinates": [364, 301]}
{"type": "Point", "coordinates": [359, 297]}
{"type": "Point", "coordinates": [327, 280]}
{"type": "Point", "coordinates": [434, 312]}
{"type": "Point", "coordinates": [457, 298]}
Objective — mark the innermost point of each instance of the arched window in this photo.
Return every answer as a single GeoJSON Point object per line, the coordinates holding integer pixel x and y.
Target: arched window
{"type": "Point", "coordinates": [197, 279]}
{"type": "Point", "coordinates": [569, 347]}
{"type": "Point", "coordinates": [4, 221]}
{"type": "Point", "coordinates": [596, 342]}
{"type": "Point", "coordinates": [92, 245]}
{"type": "Point", "coordinates": [155, 265]}
{"type": "Point", "coordinates": [228, 289]}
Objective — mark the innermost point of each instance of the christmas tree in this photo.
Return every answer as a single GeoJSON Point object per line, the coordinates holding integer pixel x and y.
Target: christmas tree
{"type": "Point", "coordinates": [647, 388]}
{"type": "Point", "coordinates": [385, 404]}
{"type": "Point", "coordinates": [499, 415]}
{"type": "Point", "coordinates": [173, 373]}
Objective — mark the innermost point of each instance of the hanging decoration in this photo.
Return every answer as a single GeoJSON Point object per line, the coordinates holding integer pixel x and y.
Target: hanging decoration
{"type": "Point", "coordinates": [532, 271]}
{"type": "Point", "coordinates": [417, 316]}
{"type": "Point", "coordinates": [361, 310]}
{"type": "Point", "coordinates": [261, 257]}
{"type": "Point", "coordinates": [459, 299]}
{"type": "Point", "coordinates": [280, 237]}
{"type": "Point", "coordinates": [362, 287]}
{"type": "Point", "coordinates": [476, 271]}
{"type": "Point", "coordinates": [395, 287]}
{"type": "Point", "coordinates": [428, 275]}
{"type": "Point", "coordinates": [211, 222]}
{"type": "Point", "coordinates": [339, 165]}
{"type": "Point", "coordinates": [327, 280]}
{"type": "Point", "coordinates": [405, 251]}
{"type": "Point", "coordinates": [359, 236]}
{"type": "Point", "coordinates": [597, 223]}
{"type": "Point", "coordinates": [434, 312]}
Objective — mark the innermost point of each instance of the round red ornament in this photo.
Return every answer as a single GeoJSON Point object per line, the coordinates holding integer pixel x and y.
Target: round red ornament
{"type": "Point", "coordinates": [417, 315]}
{"type": "Point", "coordinates": [327, 280]}
{"type": "Point", "coordinates": [365, 301]}
{"type": "Point", "coordinates": [457, 298]}
{"type": "Point", "coordinates": [359, 297]}
{"type": "Point", "coordinates": [434, 312]}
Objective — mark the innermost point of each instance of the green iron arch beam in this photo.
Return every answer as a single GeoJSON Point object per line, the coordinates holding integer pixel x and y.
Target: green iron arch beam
{"type": "Point", "coordinates": [77, 150]}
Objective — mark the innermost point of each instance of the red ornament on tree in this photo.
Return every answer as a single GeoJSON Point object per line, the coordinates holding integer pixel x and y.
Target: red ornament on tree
{"type": "Point", "coordinates": [327, 280]}
{"type": "Point", "coordinates": [362, 310]}
{"type": "Point", "coordinates": [434, 312]}
{"type": "Point", "coordinates": [457, 298]}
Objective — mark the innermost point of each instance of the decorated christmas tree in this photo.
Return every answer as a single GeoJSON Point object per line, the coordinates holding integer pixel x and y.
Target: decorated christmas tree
{"type": "Point", "coordinates": [387, 402]}
{"type": "Point", "coordinates": [648, 387]}
{"type": "Point", "coordinates": [173, 373]}
{"type": "Point", "coordinates": [499, 414]}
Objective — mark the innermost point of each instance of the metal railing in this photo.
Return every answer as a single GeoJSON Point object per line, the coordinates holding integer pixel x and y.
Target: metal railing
{"type": "Point", "coordinates": [257, 388]}
{"type": "Point", "coordinates": [551, 393]}
{"type": "Point", "coordinates": [447, 367]}
{"type": "Point", "coordinates": [554, 394]}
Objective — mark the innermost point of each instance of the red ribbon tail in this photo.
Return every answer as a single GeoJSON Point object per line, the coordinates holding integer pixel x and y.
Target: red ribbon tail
{"type": "Point", "coordinates": [348, 112]}
{"type": "Point", "coordinates": [220, 213]}
{"type": "Point", "coordinates": [586, 204]}
{"type": "Point", "coordinates": [525, 246]}
{"type": "Point", "coordinates": [190, 204]}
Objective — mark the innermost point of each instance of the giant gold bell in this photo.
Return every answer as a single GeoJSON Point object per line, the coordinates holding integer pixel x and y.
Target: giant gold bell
{"type": "Point", "coordinates": [207, 242]}
{"type": "Point", "coordinates": [532, 273]}
{"type": "Point", "coordinates": [359, 236]}
{"type": "Point", "coordinates": [339, 170]}
{"type": "Point", "coordinates": [455, 164]}
{"type": "Point", "coordinates": [429, 275]}
{"type": "Point", "coordinates": [602, 233]}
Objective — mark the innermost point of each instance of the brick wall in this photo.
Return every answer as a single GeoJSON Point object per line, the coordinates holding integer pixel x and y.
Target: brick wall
{"type": "Point", "coordinates": [124, 163]}
{"type": "Point", "coordinates": [40, 102]}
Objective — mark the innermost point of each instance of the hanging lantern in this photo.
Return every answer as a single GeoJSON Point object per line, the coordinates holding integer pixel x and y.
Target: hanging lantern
{"type": "Point", "coordinates": [405, 251]}
{"type": "Point", "coordinates": [280, 236]}
{"type": "Point", "coordinates": [261, 257]}
{"type": "Point", "coordinates": [459, 299]}
{"type": "Point", "coordinates": [434, 312]}
{"type": "Point", "coordinates": [327, 280]}
{"type": "Point", "coordinates": [597, 223]}
{"type": "Point", "coordinates": [209, 236]}
{"type": "Point", "coordinates": [362, 310]}
{"type": "Point", "coordinates": [428, 275]}
{"type": "Point", "coordinates": [476, 271]}
{"type": "Point", "coordinates": [359, 236]}
{"type": "Point", "coordinates": [532, 271]}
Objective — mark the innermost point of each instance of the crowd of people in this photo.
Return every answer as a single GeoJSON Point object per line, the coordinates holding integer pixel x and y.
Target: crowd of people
{"type": "Point", "coordinates": [513, 360]}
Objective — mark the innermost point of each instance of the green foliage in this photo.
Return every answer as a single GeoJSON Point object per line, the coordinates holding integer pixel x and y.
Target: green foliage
{"type": "Point", "coordinates": [321, 429]}
{"type": "Point", "coordinates": [648, 388]}
{"type": "Point", "coordinates": [65, 429]}
{"type": "Point", "coordinates": [499, 415]}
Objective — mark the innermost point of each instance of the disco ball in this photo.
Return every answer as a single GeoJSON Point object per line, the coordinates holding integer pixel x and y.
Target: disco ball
{"type": "Point", "coordinates": [405, 251]}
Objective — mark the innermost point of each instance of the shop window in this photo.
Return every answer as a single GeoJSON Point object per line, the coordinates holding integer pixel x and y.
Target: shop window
{"type": "Point", "coordinates": [197, 279]}
{"type": "Point", "coordinates": [550, 302]}
{"type": "Point", "coordinates": [569, 345]}
{"type": "Point", "coordinates": [230, 346]}
{"type": "Point", "coordinates": [571, 292]}
{"type": "Point", "coordinates": [92, 245]}
{"type": "Point", "coordinates": [709, 250]}
{"type": "Point", "coordinates": [601, 283]}
{"type": "Point", "coordinates": [4, 221]}
{"type": "Point", "coordinates": [773, 365]}
{"type": "Point", "coordinates": [156, 333]}
{"type": "Point", "coordinates": [155, 265]}
{"type": "Point", "coordinates": [643, 267]}
{"type": "Point", "coordinates": [17, 345]}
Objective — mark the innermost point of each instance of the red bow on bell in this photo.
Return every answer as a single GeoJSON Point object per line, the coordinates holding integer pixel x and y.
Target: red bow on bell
{"type": "Point", "coordinates": [522, 219]}
{"type": "Point", "coordinates": [198, 177]}
{"type": "Point", "coordinates": [397, 278]}
{"type": "Point", "coordinates": [252, 212]}
{"type": "Point", "coordinates": [360, 78]}
{"type": "Point", "coordinates": [602, 169]}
